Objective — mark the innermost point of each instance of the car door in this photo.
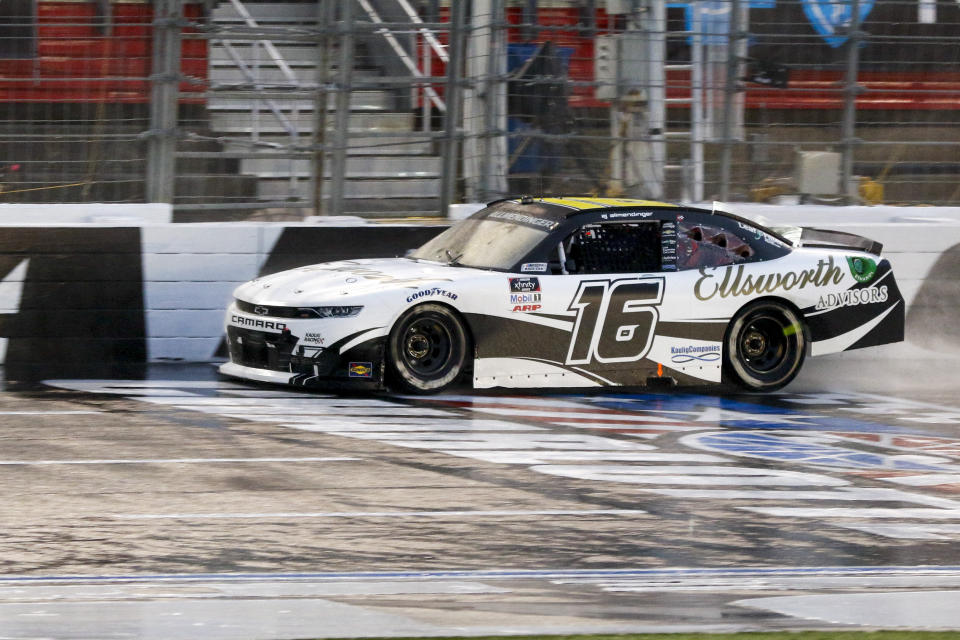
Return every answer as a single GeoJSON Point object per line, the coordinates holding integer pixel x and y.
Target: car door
{"type": "Point", "coordinates": [617, 288]}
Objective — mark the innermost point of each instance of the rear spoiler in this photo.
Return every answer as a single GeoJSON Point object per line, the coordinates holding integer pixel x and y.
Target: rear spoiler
{"type": "Point", "coordinates": [825, 239]}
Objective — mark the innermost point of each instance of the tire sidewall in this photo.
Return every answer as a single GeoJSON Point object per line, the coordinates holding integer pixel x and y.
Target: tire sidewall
{"type": "Point", "coordinates": [787, 370]}
{"type": "Point", "coordinates": [401, 375]}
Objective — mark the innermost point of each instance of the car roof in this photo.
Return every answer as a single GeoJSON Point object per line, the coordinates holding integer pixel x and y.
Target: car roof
{"type": "Point", "coordinates": [562, 208]}
{"type": "Point", "coordinates": [565, 207]}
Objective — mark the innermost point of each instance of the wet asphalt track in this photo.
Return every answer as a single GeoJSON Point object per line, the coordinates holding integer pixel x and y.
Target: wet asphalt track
{"type": "Point", "coordinates": [187, 506]}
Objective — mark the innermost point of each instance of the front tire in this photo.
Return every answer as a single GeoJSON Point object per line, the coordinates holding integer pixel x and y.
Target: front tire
{"type": "Point", "coordinates": [765, 346]}
{"type": "Point", "coordinates": [427, 349]}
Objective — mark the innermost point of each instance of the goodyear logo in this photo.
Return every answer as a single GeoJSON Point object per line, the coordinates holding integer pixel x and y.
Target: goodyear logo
{"type": "Point", "coordinates": [360, 370]}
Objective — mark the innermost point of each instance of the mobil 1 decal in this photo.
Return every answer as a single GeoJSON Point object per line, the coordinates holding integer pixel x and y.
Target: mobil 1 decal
{"type": "Point", "coordinates": [615, 320]}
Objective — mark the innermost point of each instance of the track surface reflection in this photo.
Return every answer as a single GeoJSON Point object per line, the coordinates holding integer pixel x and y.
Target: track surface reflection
{"type": "Point", "coordinates": [172, 503]}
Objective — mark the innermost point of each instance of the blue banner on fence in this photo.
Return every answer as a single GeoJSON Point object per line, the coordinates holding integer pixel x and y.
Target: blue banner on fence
{"type": "Point", "coordinates": [832, 18]}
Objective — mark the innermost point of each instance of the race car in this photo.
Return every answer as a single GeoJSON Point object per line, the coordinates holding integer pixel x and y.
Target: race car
{"type": "Point", "coordinates": [572, 292]}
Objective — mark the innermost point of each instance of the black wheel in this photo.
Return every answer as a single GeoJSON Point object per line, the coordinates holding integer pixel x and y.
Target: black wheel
{"type": "Point", "coordinates": [765, 346]}
{"type": "Point", "coordinates": [427, 349]}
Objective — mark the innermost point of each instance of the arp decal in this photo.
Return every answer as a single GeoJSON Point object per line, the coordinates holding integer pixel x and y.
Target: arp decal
{"type": "Point", "coordinates": [525, 302]}
{"type": "Point", "coordinates": [616, 320]}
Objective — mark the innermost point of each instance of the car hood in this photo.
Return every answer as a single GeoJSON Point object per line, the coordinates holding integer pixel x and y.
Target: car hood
{"type": "Point", "coordinates": [331, 281]}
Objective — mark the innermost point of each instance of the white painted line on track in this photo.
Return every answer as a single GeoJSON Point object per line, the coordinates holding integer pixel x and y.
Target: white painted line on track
{"type": "Point", "coordinates": [49, 413]}
{"type": "Point", "coordinates": [697, 573]}
{"type": "Point", "coordinates": [382, 514]}
{"type": "Point", "coordinates": [863, 512]}
{"type": "Point", "coordinates": [921, 531]}
{"type": "Point", "coordinates": [931, 479]}
{"type": "Point", "coordinates": [27, 463]}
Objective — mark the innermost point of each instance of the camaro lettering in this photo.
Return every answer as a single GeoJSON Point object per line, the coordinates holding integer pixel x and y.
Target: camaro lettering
{"type": "Point", "coordinates": [852, 298]}
{"type": "Point", "coordinates": [257, 323]}
{"type": "Point", "coordinates": [734, 283]}
{"type": "Point", "coordinates": [431, 292]}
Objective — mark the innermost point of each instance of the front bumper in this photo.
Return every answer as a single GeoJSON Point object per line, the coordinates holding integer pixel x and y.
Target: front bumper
{"type": "Point", "coordinates": [281, 358]}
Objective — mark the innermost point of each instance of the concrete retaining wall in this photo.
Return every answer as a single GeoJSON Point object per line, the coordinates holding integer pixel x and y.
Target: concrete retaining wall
{"type": "Point", "coordinates": [103, 299]}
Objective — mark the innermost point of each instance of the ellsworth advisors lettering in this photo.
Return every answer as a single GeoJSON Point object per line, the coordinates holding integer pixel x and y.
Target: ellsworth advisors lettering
{"type": "Point", "coordinates": [852, 298]}
{"type": "Point", "coordinates": [735, 283]}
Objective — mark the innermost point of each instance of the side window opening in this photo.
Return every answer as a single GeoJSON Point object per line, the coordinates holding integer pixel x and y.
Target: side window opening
{"type": "Point", "coordinates": [632, 247]}
{"type": "Point", "coordinates": [709, 246]}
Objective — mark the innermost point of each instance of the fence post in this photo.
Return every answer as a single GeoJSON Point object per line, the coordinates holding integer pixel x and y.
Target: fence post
{"type": "Point", "coordinates": [732, 86]}
{"type": "Point", "coordinates": [493, 167]}
{"type": "Point", "coordinates": [451, 154]}
{"type": "Point", "coordinates": [165, 90]}
{"type": "Point", "coordinates": [318, 138]}
{"type": "Point", "coordinates": [850, 92]}
{"type": "Point", "coordinates": [338, 167]}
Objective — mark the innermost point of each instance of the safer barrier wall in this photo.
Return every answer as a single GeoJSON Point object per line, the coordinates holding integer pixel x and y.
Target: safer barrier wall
{"type": "Point", "coordinates": [97, 300]}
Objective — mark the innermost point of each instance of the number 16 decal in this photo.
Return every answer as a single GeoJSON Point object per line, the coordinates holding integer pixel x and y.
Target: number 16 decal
{"type": "Point", "coordinates": [616, 320]}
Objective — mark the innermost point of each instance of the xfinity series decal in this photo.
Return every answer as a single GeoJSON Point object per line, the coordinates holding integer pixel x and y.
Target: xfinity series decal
{"type": "Point", "coordinates": [524, 285]}
{"type": "Point", "coordinates": [615, 321]}
{"type": "Point", "coordinates": [734, 283]}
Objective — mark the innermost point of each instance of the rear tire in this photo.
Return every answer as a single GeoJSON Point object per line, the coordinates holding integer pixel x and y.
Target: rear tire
{"type": "Point", "coordinates": [427, 349]}
{"type": "Point", "coordinates": [765, 346]}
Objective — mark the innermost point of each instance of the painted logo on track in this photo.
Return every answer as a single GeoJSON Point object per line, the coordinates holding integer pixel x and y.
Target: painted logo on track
{"type": "Point", "coordinates": [779, 459]}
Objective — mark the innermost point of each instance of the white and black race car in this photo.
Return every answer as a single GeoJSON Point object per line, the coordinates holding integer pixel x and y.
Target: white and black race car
{"type": "Point", "coordinates": [572, 292]}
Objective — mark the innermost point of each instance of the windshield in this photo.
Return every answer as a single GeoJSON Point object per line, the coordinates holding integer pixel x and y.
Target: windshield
{"type": "Point", "coordinates": [482, 242]}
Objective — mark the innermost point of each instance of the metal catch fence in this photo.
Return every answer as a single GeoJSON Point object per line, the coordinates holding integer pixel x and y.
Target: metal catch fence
{"type": "Point", "coordinates": [232, 109]}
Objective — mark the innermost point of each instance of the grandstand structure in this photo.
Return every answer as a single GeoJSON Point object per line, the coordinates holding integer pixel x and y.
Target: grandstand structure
{"type": "Point", "coordinates": [384, 108]}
